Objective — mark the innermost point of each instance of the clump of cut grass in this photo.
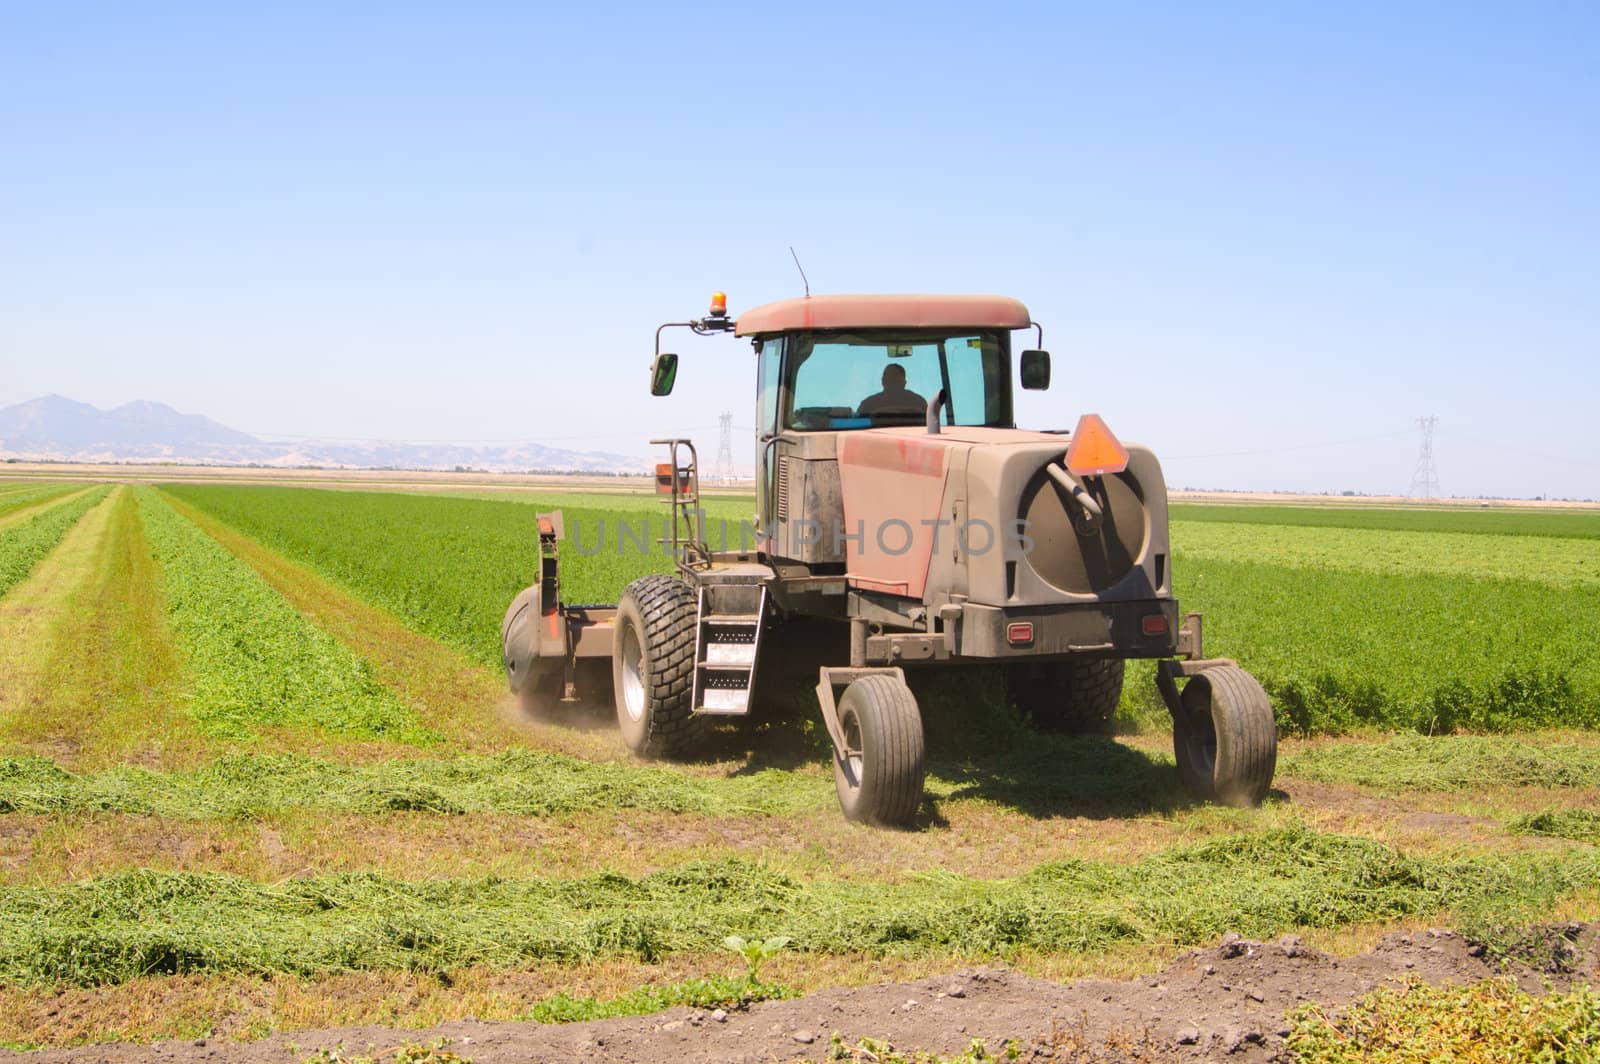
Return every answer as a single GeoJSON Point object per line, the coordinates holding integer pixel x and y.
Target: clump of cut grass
{"type": "Point", "coordinates": [252, 660]}
{"type": "Point", "coordinates": [1447, 763]}
{"type": "Point", "coordinates": [22, 546]}
{"type": "Point", "coordinates": [1581, 825]}
{"type": "Point", "coordinates": [120, 926]}
{"type": "Point", "coordinates": [1486, 1023]}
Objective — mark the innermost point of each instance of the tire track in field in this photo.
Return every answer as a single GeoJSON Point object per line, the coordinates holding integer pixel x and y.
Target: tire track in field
{"type": "Point", "coordinates": [31, 611]}
{"type": "Point", "coordinates": [108, 682]}
{"type": "Point", "coordinates": [451, 693]}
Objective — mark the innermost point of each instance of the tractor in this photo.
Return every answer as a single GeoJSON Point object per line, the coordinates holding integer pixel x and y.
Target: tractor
{"type": "Point", "coordinates": [903, 522]}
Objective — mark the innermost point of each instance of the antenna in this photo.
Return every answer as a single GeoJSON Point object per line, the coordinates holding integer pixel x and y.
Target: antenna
{"type": "Point", "coordinates": [1426, 476]}
{"type": "Point", "coordinates": [802, 270]}
{"type": "Point", "coordinates": [725, 449]}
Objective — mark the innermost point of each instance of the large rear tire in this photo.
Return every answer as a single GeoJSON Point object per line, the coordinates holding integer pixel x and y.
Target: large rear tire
{"type": "Point", "coordinates": [880, 772]}
{"type": "Point", "coordinates": [1076, 697]}
{"type": "Point", "coordinates": [1225, 740]}
{"type": "Point", "coordinates": [652, 667]}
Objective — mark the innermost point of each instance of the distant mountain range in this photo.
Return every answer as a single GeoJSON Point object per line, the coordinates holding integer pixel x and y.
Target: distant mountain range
{"type": "Point", "coordinates": [59, 429]}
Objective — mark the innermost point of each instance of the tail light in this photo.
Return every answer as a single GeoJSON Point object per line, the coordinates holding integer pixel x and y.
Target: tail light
{"type": "Point", "coordinates": [1019, 633]}
{"type": "Point", "coordinates": [1155, 624]}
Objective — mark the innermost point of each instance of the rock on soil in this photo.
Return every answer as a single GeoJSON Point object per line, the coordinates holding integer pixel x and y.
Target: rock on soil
{"type": "Point", "coordinates": [1227, 1001]}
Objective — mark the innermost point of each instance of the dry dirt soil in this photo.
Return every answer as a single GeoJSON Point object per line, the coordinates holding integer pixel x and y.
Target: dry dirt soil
{"type": "Point", "coordinates": [1224, 1002]}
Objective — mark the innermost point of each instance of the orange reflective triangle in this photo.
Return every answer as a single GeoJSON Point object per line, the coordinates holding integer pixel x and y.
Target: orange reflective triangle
{"type": "Point", "coordinates": [1094, 451]}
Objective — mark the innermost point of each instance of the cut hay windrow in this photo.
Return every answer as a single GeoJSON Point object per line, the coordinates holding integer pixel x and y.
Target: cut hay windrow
{"type": "Point", "coordinates": [1051, 775]}
{"type": "Point", "coordinates": [24, 545]}
{"type": "Point", "coordinates": [1447, 763]}
{"type": "Point", "coordinates": [117, 927]}
{"type": "Point", "coordinates": [252, 660]}
{"type": "Point", "coordinates": [516, 782]}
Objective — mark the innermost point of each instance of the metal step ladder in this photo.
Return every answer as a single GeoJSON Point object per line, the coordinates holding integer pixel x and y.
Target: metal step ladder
{"type": "Point", "coordinates": [726, 646]}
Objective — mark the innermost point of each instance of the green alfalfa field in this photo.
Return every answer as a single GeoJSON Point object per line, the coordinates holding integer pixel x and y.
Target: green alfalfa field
{"type": "Point", "coordinates": [257, 762]}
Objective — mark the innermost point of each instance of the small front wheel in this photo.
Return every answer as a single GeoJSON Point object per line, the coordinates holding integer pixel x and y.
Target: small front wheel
{"type": "Point", "coordinates": [880, 771]}
{"type": "Point", "coordinates": [1225, 739]}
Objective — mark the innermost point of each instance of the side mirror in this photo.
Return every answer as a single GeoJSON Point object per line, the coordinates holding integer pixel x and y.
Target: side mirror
{"type": "Point", "coordinates": [663, 372]}
{"type": "Point", "coordinates": [1036, 370]}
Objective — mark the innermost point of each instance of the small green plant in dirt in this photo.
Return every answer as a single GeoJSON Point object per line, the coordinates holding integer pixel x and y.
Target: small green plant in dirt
{"type": "Point", "coordinates": [1487, 1023]}
{"type": "Point", "coordinates": [756, 952]}
{"type": "Point", "coordinates": [405, 1053]}
{"type": "Point", "coordinates": [877, 1051]}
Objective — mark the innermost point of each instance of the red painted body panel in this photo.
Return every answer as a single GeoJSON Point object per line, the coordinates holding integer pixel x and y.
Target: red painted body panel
{"type": "Point", "coordinates": [892, 483]}
{"type": "Point", "coordinates": [884, 312]}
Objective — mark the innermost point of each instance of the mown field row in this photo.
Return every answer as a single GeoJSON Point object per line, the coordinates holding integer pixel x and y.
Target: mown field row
{"type": "Point", "coordinates": [1417, 628]}
{"type": "Point", "coordinates": [370, 774]}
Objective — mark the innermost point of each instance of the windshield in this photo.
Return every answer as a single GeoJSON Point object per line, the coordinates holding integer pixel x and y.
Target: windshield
{"type": "Point", "coordinates": [862, 380]}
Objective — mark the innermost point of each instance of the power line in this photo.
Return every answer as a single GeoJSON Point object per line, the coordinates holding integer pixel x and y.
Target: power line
{"type": "Point", "coordinates": [1292, 447]}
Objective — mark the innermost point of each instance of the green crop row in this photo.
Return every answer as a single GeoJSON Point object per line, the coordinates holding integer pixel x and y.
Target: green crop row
{"type": "Point", "coordinates": [447, 566]}
{"type": "Point", "coordinates": [15, 498]}
{"type": "Point", "coordinates": [518, 782]}
{"type": "Point", "coordinates": [1561, 524]}
{"type": "Point", "coordinates": [1557, 562]}
{"type": "Point", "coordinates": [1340, 650]}
{"type": "Point", "coordinates": [22, 546]}
{"type": "Point", "coordinates": [252, 660]}
{"type": "Point", "coordinates": [130, 924]}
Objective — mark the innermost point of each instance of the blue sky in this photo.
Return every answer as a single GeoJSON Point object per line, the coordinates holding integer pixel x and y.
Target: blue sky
{"type": "Point", "coordinates": [1262, 238]}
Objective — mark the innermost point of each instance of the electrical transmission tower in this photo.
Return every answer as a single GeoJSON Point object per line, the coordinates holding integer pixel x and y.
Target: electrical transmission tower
{"type": "Point", "coordinates": [725, 449]}
{"type": "Point", "coordinates": [1425, 481]}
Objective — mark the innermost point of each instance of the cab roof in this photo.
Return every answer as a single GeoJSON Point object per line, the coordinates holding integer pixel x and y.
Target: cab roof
{"type": "Point", "coordinates": [883, 312]}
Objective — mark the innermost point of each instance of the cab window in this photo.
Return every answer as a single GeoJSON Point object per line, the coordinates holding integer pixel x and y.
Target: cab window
{"type": "Point", "coordinates": [863, 380]}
